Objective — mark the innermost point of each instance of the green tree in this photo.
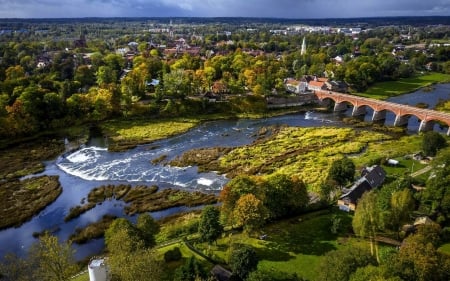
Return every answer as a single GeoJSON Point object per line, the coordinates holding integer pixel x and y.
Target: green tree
{"type": "Point", "coordinates": [192, 270]}
{"type": "Point", "coordinates": [373, 273]}
{"type": "Point", "coordinates": [210, 227]}
{"type": "Point", "coordinates": [243, 261]}
{"type": "Point", "coordinates": [284, 196]}
{"type": "Point", "coordinates": [342, 171]}
{"type": "Point", "coordinates": [339, 264]}
{"type": "Point", "coordinates": [54, 261]}
{"type": "Point", "coordinates": [367, 219]}
{"type": "Point", "coordinates": [402, 204]}
{"type": "Point", "coordinates": [432, 142]}
{"type": "Point", "coordinates": [148, 228]}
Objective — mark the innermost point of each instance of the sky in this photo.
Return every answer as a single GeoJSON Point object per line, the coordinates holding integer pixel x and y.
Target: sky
{"type": "Point", "coordinates": [297, 9]}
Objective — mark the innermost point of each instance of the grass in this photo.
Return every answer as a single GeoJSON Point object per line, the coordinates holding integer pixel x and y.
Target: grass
{"type": "Point", "coordinates": [390, 148]}
{"type": "Point", "coordinates": [445, 249]}
{"type": "Point", "coordinates": [82, 277]}
{"type": "Point", "coordinates": [293, 246]}
{"type": "Point", "coordinates": [126, 134]}
{"type": "Point", "coordinates": [385, 90]}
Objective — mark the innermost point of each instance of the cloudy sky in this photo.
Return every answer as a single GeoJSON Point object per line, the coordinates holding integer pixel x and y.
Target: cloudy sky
{"type": "Point", "coordinates": [221, 8]}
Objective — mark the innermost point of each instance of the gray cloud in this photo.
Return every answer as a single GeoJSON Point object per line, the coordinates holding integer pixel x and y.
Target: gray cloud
{"type": "Point", "coordinates": [225, 8]}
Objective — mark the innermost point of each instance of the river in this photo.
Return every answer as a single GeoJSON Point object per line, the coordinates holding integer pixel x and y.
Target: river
{"type": "Point", "coordinates": [93, 166]}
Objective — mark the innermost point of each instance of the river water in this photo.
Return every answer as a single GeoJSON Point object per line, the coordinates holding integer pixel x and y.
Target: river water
{"type": "Point", "coordinates": [93, 166]}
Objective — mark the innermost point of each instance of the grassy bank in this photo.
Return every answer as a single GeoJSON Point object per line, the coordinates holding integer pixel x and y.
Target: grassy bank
{"type": "Point", "coordinates": [385, 90]}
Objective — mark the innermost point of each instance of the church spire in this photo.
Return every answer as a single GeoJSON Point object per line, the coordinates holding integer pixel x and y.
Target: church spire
{"type": "Point", "coordinates": [303, 51]}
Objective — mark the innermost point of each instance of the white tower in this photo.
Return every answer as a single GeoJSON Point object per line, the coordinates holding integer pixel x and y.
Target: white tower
{"type": "Point", "coordinates": [98, 270]}
{"type": "Point", "coordinates": [303, 51]}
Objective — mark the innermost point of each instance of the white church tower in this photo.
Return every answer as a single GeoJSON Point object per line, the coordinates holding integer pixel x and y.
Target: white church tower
{"type": "Point", "coordinates": [303, 51]}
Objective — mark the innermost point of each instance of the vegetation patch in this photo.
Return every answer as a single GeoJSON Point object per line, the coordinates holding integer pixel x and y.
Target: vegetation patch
{"type": "Point", "coordinates": [205, 158]}
{"type": "Point", "coordinates": [303, 152]}
{"type": "Point", "coordinates": [126, 134]}
{"type": "Point", "coordinates": [92, 231]}
{"type": "Point", "coordinates": [142, 199]}
{"type": "Point", "coordinates": [21, 200]}
{"type": "Point", "coordinates": [26, 159]}
{"type": "Point", "coordinates": [385, 90]}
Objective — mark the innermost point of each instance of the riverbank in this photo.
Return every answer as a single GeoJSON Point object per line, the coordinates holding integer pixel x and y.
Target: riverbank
{"type": "Point", "coordinates": [127, 134]}
{"type": "Point", "coordinates": [385, 90]}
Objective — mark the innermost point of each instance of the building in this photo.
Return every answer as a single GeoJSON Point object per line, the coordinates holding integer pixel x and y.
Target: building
{"type": "Point", "coordinates": [371, 177]}
{"type": "Point", "coordinates": [98, 270]}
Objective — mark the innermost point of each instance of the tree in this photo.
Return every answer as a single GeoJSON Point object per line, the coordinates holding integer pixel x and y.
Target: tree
{"type": "Point", "coordinates": [339, 264]}
{"type": "Point", "coordinates": [342, 171]}
{"type": "Point", "coordinates": [402, 204]}
{"type": "Point", "coordinates": [249, 213]}
{"type": "Point", "coordinates": [129, 259]}
{"type": "Point", "coordinates": [243, 261]}
{"type": "Point", "coordinates": [192, 270]}
{"type": "Point", "coordinates": [418, 260]}
{"type": "Point", "coordinates": [54, 261]}
{"type": "Point", "coordinates": [373, 273]}
{"type": "Point", "coordinates": [231, 193]}
{"type": "Point", "coordinates": [210, 227]}
{"type": "Point", "coordinates": [148, 228]}
{"type": "Point", "coordinates": [367, 219]}
{"type": "Point", "coordinates": [284, 195]}
{"type": "Point", "coordinates": [432, 142]}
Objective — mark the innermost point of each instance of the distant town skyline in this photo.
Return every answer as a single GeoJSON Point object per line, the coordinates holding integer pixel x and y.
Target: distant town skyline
{"type": "Point", "coordinates": [297, 9]}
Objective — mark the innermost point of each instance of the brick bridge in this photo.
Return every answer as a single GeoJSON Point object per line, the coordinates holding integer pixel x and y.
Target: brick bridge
{"type": "Point", "coordinates": [402, 112]}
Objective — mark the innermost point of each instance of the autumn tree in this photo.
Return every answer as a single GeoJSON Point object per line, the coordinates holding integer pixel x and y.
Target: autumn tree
{"type": "Point", "coordinates": [210, 227]}
{"type": "Point", "coordinates": [231, 193]}
{"type": "Point", "coordinates": [249, 213]}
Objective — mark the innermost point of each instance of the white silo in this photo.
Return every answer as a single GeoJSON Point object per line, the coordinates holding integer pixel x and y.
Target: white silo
{"type": "Point", "coordinates": [98, 270]}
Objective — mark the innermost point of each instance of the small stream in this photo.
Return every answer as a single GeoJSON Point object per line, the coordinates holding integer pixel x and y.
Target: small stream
{"type": "Point", "coordinates": [93, 165]}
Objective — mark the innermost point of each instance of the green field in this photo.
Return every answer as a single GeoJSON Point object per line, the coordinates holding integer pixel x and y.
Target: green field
{"type": "Point", "coordinates": [385, 90]}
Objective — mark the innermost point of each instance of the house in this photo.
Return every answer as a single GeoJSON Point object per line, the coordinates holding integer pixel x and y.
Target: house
{"type": "Point", "coordinates": [294, 86]}
{"type": "Point", "coordinates": [219, 273]}
{"type": "Point", "coordinates": [371, 177]}
{"type": "Point", "coordinates": [337, 86]}
{"type": "Point", "coordinates": [318, 84]}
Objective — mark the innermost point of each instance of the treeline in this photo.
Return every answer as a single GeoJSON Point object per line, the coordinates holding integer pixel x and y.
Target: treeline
{"type": "Point", "coordinates": [51, 84]}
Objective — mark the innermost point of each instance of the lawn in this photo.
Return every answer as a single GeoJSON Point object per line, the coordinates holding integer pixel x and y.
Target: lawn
{"type": "Point", "coordinates": [295, 245]}
{"type": "Point", "coordinates": [385, 90]}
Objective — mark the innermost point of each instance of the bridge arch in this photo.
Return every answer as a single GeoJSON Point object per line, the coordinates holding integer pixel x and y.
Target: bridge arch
{"type": "Point", "coordinates": [402, 112]}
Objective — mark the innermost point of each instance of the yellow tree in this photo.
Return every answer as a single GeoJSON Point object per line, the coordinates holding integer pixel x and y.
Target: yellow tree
{"type": "Point", "coordinates": [250, 213]}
